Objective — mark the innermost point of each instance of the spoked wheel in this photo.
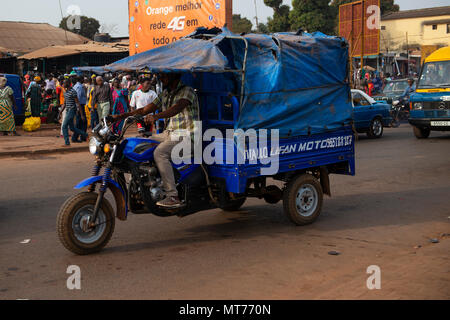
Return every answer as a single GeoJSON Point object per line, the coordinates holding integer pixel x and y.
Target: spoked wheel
{"type": "Point", "coordinates": [302, 199]}
{"type": "Point", "coordinates": [376, 129]}
{"type": "Point", "coordinates": [395, 123]}
{"type": "Point", "coordinates": [395, 120]}
{"type": "Point", "coordinates": [75, 227]}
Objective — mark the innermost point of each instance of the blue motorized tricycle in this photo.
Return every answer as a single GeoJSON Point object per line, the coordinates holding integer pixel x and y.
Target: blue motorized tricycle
{"type": "Point", "coordinates": [276, 114]}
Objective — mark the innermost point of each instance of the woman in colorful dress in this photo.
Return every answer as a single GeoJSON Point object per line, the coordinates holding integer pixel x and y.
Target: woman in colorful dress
{"type": "Point", "coordinates": [120, 102]}
{"type": "Point", "coordinates": [7, 103]}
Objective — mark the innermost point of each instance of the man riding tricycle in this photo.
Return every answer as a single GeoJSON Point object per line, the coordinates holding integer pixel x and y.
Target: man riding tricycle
{"type": "Point", "coordinates": [240, 112]}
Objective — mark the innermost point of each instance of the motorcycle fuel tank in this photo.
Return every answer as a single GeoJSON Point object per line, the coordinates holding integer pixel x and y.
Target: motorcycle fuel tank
{"type": "Point", "coordinates": [139, 149]}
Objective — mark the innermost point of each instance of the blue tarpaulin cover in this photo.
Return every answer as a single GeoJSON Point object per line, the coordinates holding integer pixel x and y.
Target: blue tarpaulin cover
{"type": "Point", "coordinates": [185, 55]}
{"type": "Point", "coordinates": [295, 83]}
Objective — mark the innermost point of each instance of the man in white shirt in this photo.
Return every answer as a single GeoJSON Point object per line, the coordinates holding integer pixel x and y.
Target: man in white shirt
{"type": "Point", "coordinates": [143, 97]}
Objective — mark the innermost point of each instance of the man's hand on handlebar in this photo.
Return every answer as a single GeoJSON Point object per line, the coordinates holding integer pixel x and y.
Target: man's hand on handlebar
{"type": "Point", "coordinates": [111, 119]}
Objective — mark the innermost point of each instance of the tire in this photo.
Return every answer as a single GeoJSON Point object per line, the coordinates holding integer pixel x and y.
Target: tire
{"type": "Point", "coordinates": [375, 129]}
{"type": "Point", "coordinates": [303, 187]}
{"type": "Point", "coordinates": [421, 133]}
{"type": "Point", "coordinates": [78, 241]}
{"type": "Point", "coordinates": [234, 205]}
{"type": "Point", "coordinates": [395, 120]}
{"type": "Point", "coordinates": [395, 123]}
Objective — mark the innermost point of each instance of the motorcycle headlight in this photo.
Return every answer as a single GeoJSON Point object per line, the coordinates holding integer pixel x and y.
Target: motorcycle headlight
{"type": "Point", "coordinates": [94, 146]}
{"type": "Point", "coordinates": [418, 105]}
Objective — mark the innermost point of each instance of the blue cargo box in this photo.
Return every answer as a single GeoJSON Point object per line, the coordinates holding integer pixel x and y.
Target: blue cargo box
{"type": "Point", "coordinates": [295, 154]}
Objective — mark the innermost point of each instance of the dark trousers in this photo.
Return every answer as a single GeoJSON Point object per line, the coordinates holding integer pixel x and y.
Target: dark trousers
{"type": "Point", "coordinates": [94, 118]}
{"type": "Point", "coordinates": [68, 124]}
{"type": "Point", "coordinates": [80, 124]}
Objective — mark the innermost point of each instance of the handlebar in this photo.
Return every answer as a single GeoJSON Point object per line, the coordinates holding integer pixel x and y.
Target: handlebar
{"type": "Point", "coordinates": [111, 120]}
{"type": "Point", "coordinates": [127, 124]}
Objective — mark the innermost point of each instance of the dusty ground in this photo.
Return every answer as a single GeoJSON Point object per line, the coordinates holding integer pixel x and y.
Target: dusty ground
{"type": "Point", "coordinates": [384, 216]}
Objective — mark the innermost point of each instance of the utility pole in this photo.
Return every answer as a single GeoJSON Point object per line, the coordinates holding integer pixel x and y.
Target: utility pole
{"type": "Point", "coordinates": [256, 16]}
{"type": "Point", "coordinates": [363, 27]}
{"type": "Point", "coordinates": [407, 52]}
{"type": "Point", "coordinates": [62, 17]}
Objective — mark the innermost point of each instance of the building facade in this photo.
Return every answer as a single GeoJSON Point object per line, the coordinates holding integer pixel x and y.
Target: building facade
{"type": "Point", "coordinates": [410, 30]}
{"type": "Point", "coordinates": [408, 37]}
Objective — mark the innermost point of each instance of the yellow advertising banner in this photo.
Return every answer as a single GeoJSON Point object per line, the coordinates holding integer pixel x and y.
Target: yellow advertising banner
{"type": "Point", "coordinates": [155, 23]}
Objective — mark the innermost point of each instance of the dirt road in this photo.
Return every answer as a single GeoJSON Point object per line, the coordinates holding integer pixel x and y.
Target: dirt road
{"type": "Point", "coordinates": [384, 216]}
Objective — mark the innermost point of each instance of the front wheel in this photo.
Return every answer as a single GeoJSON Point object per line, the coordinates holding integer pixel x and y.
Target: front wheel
{"type": "Point", "coordinates": [395, 119]}
{"type": "Point", "coordinates": [302, 199]}
{"type": "Point", "coordinates": [421, 133]}
{"type": "Point", "coordinates": [73, 224]}
{"type": "Point", "coordinates": [376, 129]}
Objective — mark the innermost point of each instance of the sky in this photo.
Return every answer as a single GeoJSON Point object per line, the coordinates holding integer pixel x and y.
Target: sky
{"type": "Point", "coordinates": [113, 14]}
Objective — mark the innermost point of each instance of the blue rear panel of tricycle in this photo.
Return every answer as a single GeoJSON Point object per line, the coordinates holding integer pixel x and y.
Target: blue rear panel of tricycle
{"type": "Point", "coordinates": [293, 154]}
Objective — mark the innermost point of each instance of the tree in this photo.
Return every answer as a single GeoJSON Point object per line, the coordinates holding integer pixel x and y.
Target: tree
{"type": "Point", "coordinates": [241, 25]}
{"type": "Point", "coordinates": [312, 15]}
{"type": "Point", "coordinates": [262, 28]}
{"type": "Point", "coordinates": [280, 20]}
{"type": "Point", "coordinates": [386, 6]}
{"type": "Point", "coordinates": [88, 26]}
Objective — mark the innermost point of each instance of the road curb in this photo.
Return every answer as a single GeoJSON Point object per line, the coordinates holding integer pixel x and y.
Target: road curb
{"type": "Point", "coordinates": [12, 154]}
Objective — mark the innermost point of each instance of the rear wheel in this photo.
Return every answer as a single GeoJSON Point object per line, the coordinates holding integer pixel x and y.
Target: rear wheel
{"type": "Point", "coordinates": [375, 129]}
{"type": "Point", "coordinates": [395, 119]}
{"type": "Point", "coordinates": [73, 224]}
{"type": "Point", "coordinates": [302, 199]}
{"type": "Point", "coordinates": [421, 133]}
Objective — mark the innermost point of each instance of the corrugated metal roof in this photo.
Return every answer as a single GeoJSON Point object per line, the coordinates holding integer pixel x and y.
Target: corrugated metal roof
{"type": "Point", "coordinates": [6, 53]}
{"type": "Point", "coordinates": [5, 50]}
{"type": "Point", "coordinates": [23, 37]}
{"type": "Point", "coordinates": [61, 51]}
{"type": "Point", "coordinates": [418, 13]}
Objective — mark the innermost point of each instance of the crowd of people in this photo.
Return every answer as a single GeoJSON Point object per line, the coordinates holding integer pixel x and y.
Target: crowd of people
{"type": "Point", "coordinates": [373, 82]}
{"type": "Point", "coordinates": [79, 102]}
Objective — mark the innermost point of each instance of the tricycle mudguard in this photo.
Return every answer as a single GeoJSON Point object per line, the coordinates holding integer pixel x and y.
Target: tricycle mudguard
{"type": "Point", "coordinates": [117, 191]}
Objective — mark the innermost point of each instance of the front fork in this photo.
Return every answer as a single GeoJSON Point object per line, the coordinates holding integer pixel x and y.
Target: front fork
{"type": "Point", "coordinates": [101, 194]}
{"type": "Point", "coordinates": [104, 186]}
